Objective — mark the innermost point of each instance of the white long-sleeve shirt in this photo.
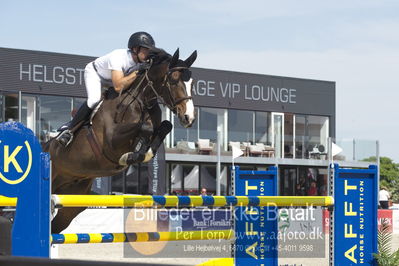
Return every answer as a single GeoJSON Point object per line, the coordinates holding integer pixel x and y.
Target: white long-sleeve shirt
{"type": "Point", "coordinates": [383, 195]}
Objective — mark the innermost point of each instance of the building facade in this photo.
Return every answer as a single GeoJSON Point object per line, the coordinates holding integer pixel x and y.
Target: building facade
{"type": "Point", "coordinates": [273, 120]}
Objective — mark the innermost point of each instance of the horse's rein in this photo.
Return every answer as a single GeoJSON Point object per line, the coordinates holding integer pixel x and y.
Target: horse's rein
{"type": "Point", "coordinates": [165, 84]}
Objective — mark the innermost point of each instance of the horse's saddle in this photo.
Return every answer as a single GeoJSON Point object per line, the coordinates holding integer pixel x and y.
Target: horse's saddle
{"type": "Point", "coordinates": [110, 93]}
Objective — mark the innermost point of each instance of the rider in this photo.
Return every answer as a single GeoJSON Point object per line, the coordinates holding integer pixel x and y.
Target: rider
{"type": "Point", "coordinates": [118, 69]}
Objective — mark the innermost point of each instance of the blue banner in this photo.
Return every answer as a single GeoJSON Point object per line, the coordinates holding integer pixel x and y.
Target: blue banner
{"type": "Point", "coordinates": [355, 215]}
{"type": "Point", "coordinates": [256, 227]}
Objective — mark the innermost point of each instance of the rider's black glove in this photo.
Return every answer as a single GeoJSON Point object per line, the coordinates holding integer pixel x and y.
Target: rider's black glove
{"type": "Point", "coordinates": [142, 67]}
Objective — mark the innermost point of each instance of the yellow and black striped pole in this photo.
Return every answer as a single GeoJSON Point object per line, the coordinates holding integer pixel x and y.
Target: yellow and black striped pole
{"type": "Point", "coordinates": [180, 201]}
{"type": "Point", "coordinates": [187, 201]}
{"type": "Point", "coordinates": [140, 237]}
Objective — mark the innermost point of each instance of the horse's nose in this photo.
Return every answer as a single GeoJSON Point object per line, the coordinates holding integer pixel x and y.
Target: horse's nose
{"type": "Point", "coordinates": [187, 118]}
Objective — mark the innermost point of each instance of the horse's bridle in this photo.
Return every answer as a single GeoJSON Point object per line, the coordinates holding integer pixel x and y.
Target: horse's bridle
{"type": "Point", "coordinates": [165, 84]}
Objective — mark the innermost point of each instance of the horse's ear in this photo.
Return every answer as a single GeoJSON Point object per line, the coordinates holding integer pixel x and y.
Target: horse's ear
{"type": "Point", "coordinates": [174, 59]}
{"type": "Point", "coordinates": [190, 60]}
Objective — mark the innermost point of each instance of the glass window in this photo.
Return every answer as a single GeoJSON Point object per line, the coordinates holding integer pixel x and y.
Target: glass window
{"type": "Point", "coordinates": [311, 132]}
{"type": "Point", "coordinates": [77, 102]}
{"type": "Point", "coordinates": [54, 111]}
{"type": "Point", "coordinates": [312, 182]}
{"type": "Point", "coordinates": [184, 179]}
{"type": "Point", "coordinates": [208, 122]}
{"type": "Point", "coordinates": [288, 180]}
{"type": "Point", "coordinates": [10, 105]}
{"type": "Point", "coordinates": [318, 131]}
{"type": "Point", "coordinates": [184, 134]}
{"type": "Point", "coordinates": [240, 126]}
{"type": "Point", "coordinates": [208, 179]}
{"type": "Point", "coordinates": [300, 137]}
{"type": "Point", "coordinates": [133, 180]}
{"type": "Point", "coordinates": [261, 127]}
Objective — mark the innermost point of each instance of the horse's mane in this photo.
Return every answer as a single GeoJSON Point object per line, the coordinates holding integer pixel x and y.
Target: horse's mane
{"type": "Point", "coordinates": [159, 56]}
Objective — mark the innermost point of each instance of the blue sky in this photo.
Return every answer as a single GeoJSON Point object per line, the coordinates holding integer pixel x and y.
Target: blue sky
{"type": "Point", "coordinates": [354, 43]}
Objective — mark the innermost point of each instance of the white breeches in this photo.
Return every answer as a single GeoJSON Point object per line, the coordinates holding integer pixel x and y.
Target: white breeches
{"type": "Point", "coordinates": [93, 85]}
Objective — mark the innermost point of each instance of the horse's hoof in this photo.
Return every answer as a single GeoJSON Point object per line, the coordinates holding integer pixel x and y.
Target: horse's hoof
{"type": "Point", "coordinates": [134, 157]}
{"type": "Point", "coordinates": [53, 210]}
{"type": "Point", "coordinates": [124, 158]}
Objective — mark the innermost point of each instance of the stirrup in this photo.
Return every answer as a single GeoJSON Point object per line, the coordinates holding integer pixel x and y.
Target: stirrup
{"type": "Point", "coordinates": [62, 134]}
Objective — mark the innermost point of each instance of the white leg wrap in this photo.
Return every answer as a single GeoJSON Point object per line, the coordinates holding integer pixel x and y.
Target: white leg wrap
{"type": "Point", "coordinates": [148, 156]}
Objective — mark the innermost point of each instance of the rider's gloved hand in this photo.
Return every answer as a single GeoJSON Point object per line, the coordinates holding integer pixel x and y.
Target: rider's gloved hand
{"type": "Point", "coordinates": [142, 67]}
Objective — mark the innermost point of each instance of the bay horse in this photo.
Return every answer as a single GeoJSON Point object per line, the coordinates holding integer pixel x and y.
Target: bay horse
{"type": "Point", "coordinates": [109, 144]}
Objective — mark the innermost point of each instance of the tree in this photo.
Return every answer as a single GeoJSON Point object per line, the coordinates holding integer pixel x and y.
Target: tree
{"type": "Point", "coordinates": [389, 176]}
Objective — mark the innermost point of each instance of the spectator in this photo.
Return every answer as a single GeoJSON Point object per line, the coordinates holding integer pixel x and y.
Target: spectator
{"type": "Point", "coordinates": [203, 192]}
{"type": "Point", "coordinates": [299, 190]}
{"type": "Point", "coordinates": [323, 187]}
{"type": "Point", "coordinates": [383, 198]}
{"type": "Point", "coordinates": [313, 189]}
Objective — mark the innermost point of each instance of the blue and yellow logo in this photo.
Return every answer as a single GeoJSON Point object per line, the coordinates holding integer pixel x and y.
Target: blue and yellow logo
{"type": "Point", "coordinates": [12, 172]}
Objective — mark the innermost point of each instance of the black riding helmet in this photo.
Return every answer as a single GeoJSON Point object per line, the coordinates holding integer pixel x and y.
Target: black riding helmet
{"type": "Point", "coordinates": [142, 39]}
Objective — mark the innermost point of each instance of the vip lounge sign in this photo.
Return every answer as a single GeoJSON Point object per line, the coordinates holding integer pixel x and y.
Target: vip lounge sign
{"type": "Point", "coordinates": [226, 89]}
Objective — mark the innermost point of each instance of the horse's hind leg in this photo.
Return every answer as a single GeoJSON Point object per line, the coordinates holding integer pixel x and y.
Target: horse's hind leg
{"type": "Point", "coordinates": [66, 215]}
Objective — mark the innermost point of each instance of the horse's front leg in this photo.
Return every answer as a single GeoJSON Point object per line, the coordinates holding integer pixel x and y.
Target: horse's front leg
{"type": "Point", "coordinates": [161, 130]}
{"type": "Point", "coordinates": [141, 146]}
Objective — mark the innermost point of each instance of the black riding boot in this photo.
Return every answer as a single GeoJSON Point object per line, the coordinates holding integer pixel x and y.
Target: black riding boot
{"type": "Point", "coordinates": [81, 115]}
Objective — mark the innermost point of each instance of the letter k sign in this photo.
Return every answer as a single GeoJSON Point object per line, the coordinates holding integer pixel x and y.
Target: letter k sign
{"type": "Point", "coordinates": [11, 159]}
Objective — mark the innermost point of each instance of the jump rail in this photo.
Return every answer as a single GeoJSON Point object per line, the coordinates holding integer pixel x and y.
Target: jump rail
{"type": "Point", "coordinates": [180, 201]}
{"type": "Point", "coordinates": [140, 237]}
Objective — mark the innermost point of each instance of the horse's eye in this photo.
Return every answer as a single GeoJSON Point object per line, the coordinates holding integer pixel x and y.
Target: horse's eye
{"type": "Point", "coordinates": [175, 76]}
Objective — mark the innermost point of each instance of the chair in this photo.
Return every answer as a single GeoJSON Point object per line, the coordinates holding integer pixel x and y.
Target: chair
{"type": "Point", "coordinates": [256, 150]}
{"type": "Point", "coordinates": [204, 146]}
{"type": "Point", "coordinates": [269, 151]}
{"type": "Point", "coordinates": [185, 146]}
{"type": "Point", "coordinates": [191, 145]}
{"type": "Point", "coordinates": [234, 144]}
